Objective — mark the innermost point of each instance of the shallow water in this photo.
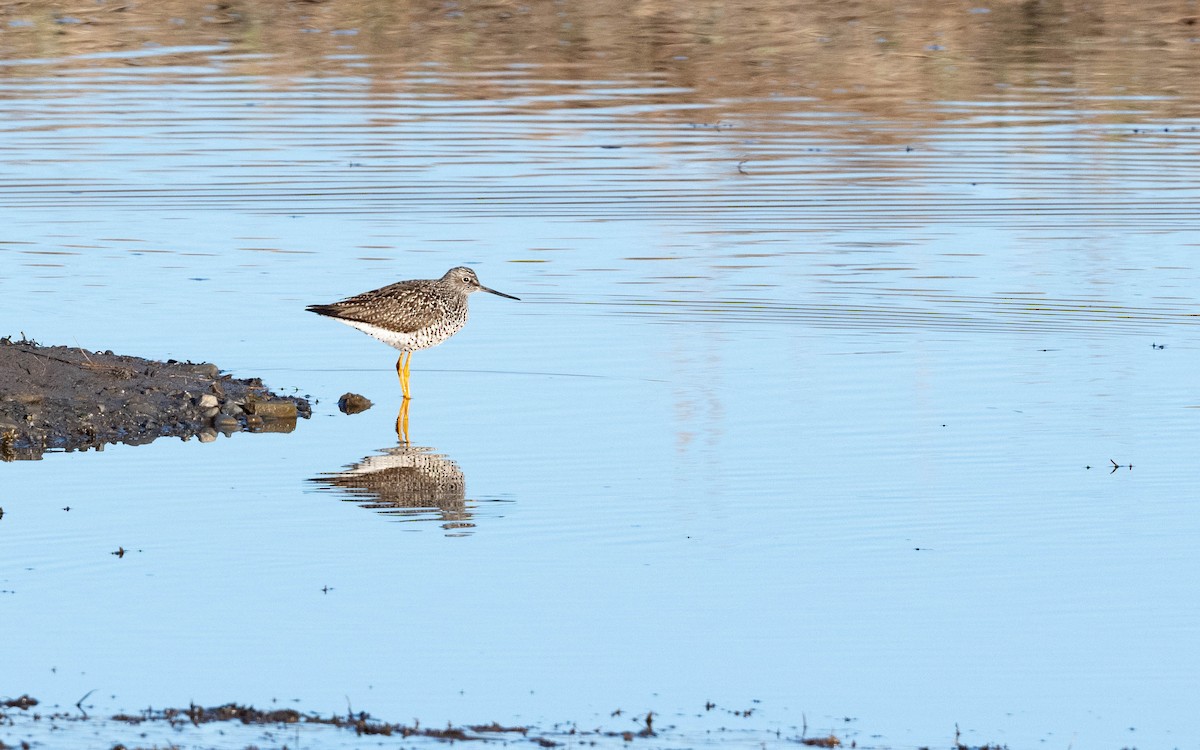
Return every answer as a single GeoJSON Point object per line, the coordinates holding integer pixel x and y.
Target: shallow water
{"type": "Point", "coordinates": [826, 348]}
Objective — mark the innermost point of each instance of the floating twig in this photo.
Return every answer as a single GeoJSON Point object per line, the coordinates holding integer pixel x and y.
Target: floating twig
{"type": "Point", "coordinates": [79, 703]}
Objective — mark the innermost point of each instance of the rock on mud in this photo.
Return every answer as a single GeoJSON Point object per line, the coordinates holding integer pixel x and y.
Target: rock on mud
{"type": "Point", "coordinates": [65, 398]}
{"type": "Point", "coordinates": [353, 403]}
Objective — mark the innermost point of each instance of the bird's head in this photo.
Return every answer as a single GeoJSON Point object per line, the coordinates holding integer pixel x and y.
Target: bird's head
{"type": "Point", "coordinates": [465, 280]}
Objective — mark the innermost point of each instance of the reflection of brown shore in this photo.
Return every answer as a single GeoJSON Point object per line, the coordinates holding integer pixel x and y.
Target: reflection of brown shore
{"type": "Point", "coordinates": [880, 57]}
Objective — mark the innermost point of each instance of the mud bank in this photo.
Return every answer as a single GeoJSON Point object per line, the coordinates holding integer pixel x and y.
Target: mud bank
{"type": "Point", "coordinates": [66, 398]}
{"type": "Point", "coordinates": [24, 720]}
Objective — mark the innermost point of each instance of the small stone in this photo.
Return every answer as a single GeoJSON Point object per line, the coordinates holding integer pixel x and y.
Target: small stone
{"type": "Point", "coordinates": [207, 435]}
{"type": "Point", "coordinates": [353, 403]}
{"type": "Point", "coordinates": [141, 407]}
{"type": "Point", "coordinates": [225, 423]}
{"type": "Point", "coordinates": [231, 409]}
{"type": "Point", "coordinates": [207, 401]}
{"type": "Point", "coordinates": [206, 369]}
{"type": "Point", "coordinates": [279, 409]}
{"type": "Point", "coordinates": [254, 421]}
{"type": "Point", "coordinates": [211, 412]}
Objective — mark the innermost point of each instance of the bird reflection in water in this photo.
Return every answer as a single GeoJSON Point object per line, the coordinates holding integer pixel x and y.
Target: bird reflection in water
{"type": "Point", "coordinates": [402, 423]}
{"type": "Point", "coordinates": [407, 482]}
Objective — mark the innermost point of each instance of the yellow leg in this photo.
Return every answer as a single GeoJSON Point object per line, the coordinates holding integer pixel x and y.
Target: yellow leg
{"type": "Point", "coordinates": [402, 423]}
{"type": "Point", "coordinates": [402, 372]}
{"type": "Point", "coordinates": [407, 387]}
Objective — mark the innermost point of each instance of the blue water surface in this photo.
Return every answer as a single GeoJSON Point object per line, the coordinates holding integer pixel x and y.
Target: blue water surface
{"type": "Point", "coordinates": [791, 416]}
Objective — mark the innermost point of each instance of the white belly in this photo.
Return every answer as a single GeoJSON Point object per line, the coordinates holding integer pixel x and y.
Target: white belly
{"type": "Point", "coordinates": [402, 341]}
{"type": "Point", "coordinates": [408, 342]}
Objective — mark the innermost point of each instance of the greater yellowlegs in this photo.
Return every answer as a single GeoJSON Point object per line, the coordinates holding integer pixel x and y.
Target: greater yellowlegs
{"type": "Point", "coordinates": [410, 315]}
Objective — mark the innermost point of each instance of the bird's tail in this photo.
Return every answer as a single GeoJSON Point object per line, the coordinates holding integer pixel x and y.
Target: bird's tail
{"type": "Point", "coordinates": [329, 310]}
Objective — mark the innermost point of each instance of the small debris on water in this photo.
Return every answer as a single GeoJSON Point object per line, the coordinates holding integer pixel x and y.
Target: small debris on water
{"type": "Point", "coordinates": [24, 702]}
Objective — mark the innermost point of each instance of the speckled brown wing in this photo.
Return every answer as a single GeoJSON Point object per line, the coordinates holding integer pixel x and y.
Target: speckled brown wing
{"type": "Point", "coordinates": [404, 307]}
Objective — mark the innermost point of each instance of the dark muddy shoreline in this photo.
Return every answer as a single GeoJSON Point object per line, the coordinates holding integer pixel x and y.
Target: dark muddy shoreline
{"type": "Point", "coordinates": [58, 398]}
{"type": "Point", "coordinates": [26, 721]}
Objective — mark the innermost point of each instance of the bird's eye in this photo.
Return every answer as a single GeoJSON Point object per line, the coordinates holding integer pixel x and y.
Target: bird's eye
{"type": "Point", "coordinates": [466, 279]}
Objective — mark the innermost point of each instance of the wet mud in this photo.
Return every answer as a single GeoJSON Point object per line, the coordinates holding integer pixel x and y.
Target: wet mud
{"type": "Point", "coordinates": [26, 722]}
{"type": "Point", "coordinates": [65, 398]}
{"type": "Point", "coordinates": [361, 723]}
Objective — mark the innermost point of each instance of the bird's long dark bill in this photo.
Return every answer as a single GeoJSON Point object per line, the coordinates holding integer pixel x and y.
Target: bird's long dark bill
{"type": "Point", "coordinates": [498, 294]}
